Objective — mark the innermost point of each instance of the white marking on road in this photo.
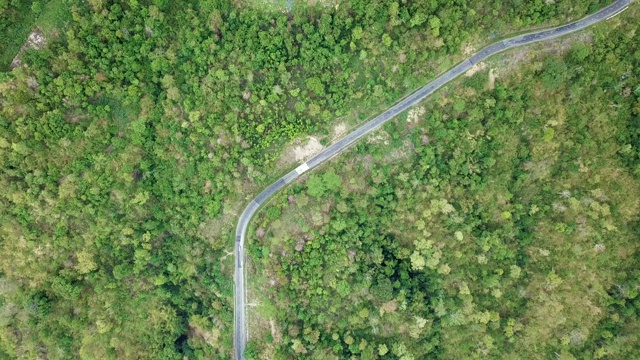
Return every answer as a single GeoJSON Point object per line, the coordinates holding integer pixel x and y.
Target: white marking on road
{"type": "Point", "coordinates": [302, 168]}
{"type": "Point", "coordinates": [618, 13]}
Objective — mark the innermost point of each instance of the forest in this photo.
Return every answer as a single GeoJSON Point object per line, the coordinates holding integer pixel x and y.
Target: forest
{"type": "Point", "coordinates": [497, 219]}
{"type": "Point", "coordinates": [132, 139]}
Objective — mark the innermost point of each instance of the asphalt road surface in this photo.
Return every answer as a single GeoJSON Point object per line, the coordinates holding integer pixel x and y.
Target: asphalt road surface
{"type": "Point", "coordinates": [240, 327]}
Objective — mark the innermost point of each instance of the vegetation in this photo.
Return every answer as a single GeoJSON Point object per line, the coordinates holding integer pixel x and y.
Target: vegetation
{"type": "Point", "coordinates": [18, 18]}
{"type": "Point", "coordinates": [130, 141]}
{"type": "Point", "coordinates": [501, 221]}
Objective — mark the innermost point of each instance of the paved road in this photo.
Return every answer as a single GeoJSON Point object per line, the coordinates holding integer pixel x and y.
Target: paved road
{"type": "Point", "coordinates": [240, 328]}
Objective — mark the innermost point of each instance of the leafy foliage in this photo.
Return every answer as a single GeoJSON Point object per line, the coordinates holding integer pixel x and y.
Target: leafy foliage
{"type": "Point", "coordinates": [126, 142]}
{"type": "Point", "coordinates": [508, 228]}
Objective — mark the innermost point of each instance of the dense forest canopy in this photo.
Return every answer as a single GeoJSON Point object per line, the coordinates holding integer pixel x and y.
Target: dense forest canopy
{"type": "Point", "coordinates": [500, 221]}
{"type": "Point", "coordinates": [131, 139]}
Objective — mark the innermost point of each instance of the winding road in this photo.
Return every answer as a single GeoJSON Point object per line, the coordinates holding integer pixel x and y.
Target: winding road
{"type": "Point", "coordinates": [240, 327]}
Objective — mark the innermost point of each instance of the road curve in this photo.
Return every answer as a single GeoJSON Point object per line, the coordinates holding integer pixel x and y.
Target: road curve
{"type": "Point", "coordinates": [240, 328]}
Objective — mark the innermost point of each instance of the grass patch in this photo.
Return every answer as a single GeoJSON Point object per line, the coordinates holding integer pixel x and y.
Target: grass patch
{"type": "Point", "coordinates": [19, 20]}
{"type": "Point", "coordinates": [266, 5]}
{"type": "Point", "coordinates": [54, 17]}
{"type": "Point", "coordinates": [14, 32]}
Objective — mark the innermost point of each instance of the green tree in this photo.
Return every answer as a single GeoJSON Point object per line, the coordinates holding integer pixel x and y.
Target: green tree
{"type": "Point", "coordinates": [316, 186]}
{"type": "Point", "coordinates": [554, 73]}
{"type": "Point", "coordinates": [315, 84]}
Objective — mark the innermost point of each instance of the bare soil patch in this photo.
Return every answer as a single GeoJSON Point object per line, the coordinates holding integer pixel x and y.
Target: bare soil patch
{"type": "Point", "coordinates": [475, 68]}
{"type": "Point", "coordinates": [492, 79]}
{"type": "Point", "coordinates": [339, 130]}
{"type": "Point", "coordinates": [380, 137]}
{"type": "Point", "coordinates": [35, 40]}
{"type": "Point", "coordinates": [211, 338]}
{"type": "Point", "coordinates": [300, 151]}
{"type": "Point", "coordinates": [414, 114]}
{"type": "Point", "coordinates": [468, 49]}
{"type": "Point", "coordinates": [275, 333]}
{"type": "Point", "coordinates": [309, 149]}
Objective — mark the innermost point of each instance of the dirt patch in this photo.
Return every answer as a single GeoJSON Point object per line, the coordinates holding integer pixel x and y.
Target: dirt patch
{"type": "Point", "coordinates": [468, 49]}
{"type": "Point", "coordinates": [475, 68]}
{"type": "Point", "coordinates": [389, 307]}
{"type": "Point", "coordinates": [277, 336]}
{"type": "Point", "coordinates": [211, 338]}
{"type": "Point", "coordinates": [300, 151]}
{"type": "Point", "coordinates": [379, 138]}
{"type": "Point", "coordinates": [221, 228]}
{"type": "Point", "coordinates": [492, 79]}
{"type": "Point", "coordinates": [401, 153]}
{"type": "Point", "coordinates": [414, 114]}
{"type": "Point", "coordinates": [35, 40]}
{"type": "Point", "coordinates": [311, 148]}
{"type": "Point", "coordinates": [339, 130]}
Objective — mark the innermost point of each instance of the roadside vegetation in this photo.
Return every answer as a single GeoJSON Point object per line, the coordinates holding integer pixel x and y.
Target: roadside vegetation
{"type": "Point", "coordinates": [497, 219]}
{"type": "Point", "coordinates": [131, 142]}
